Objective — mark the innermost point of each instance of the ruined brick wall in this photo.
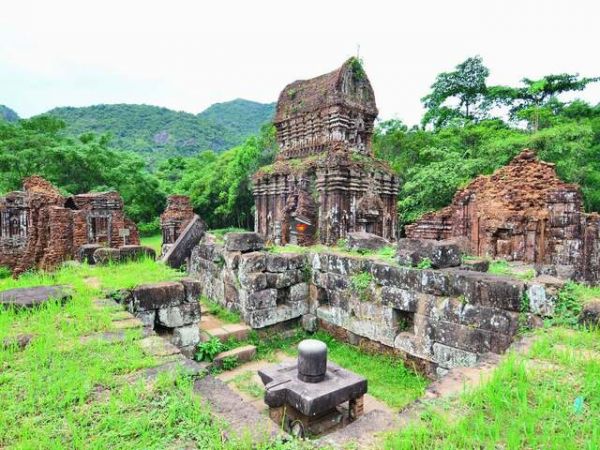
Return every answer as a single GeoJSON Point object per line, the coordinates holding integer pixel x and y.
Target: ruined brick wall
{"type": "Point", "coordinates": [523, 212]}
{"type": "Point", "coordinates": [347, 195]}
{"type": "Point", "coordinates": [442, 318]}
{"type": "Point", "coordinates": [59, 247]}
{"type": "Point", "coordinates": [23, 249]}
{"type": "Point", "coordinates": [39, 228]}
{"type": "Point", "coordinates": [335, 107]}
{"type": "Point", "coordinates": [99, 219]}
{"type": "Point", "coordinates": [324, 130]}
{"type": "Point", "coordinates": [175, 218]}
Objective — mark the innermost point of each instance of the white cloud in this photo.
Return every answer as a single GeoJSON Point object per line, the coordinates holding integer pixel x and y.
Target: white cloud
{"type": "Point", "coordinates": [187, 55]}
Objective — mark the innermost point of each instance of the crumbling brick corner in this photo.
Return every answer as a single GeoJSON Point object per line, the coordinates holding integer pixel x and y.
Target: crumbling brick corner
{"type": "Point", "coordinates": [40, 228]}
{"type": "Point", "coordinates": [522, 212]}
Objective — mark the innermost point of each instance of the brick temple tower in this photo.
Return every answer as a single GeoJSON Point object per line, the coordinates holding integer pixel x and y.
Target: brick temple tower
{"type": "Point", "coordinates": [326, 181]}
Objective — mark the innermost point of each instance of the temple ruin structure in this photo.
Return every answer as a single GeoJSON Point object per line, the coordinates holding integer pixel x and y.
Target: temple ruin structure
{"type": "Point", "coordinates": [522, 212]}
{"type": "Point", "coordinates": [174, 219]}
{"type": "Point", "coordinates": [40, 228]}
{"type": "Point", "coordinates": [326, 181]}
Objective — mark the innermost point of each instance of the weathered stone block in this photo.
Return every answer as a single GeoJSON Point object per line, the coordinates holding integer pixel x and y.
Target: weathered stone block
{"type": "Point", "coordinates": [450, 357]}
{"type": "Point", "coordinates": [158, 295]}
{"type": "Point", "coordinates": [136, 252]}
{"type": "Point", "coordinates": [272, 316]}
{"type": "Point", "coordinates": [309, 323]}
{"type": "Point", "coordinates": [284, 279]}
{"type": "Point", "coordinates": [296, 261]}
{"type": "Point", "coordinates": [106, 255]}
{"type": "Point", "coordinates": [360, 240]}
{"type": "Point", "coordinates": [540, 303]}
{"type": "Point", "coordinates": [487, 290]}
{"type": "Point", "coordinates": [86, 253]}
{"type": "Point", "coordinates": [266, 298]}
{"type": "Point", "coordinates": [253, 262]}
{"type": "Point", "coordinates": [186, 336]}
{"type": "Point", "coordinates": [441, 254]}
{"type": "Point", "coordinates": [402, 299]}
{"type": "Point", "coordinates": [476, 264]}
{"type": "Point", "coordinates": [299, 293]}
{"type": "Point", "coordinates": [253, 281]}
{"type": "Point", "coordinates": [277, 262]}
{"type": "Point", "coordinates": [232, 259]}
{"type": "Point", "coordinates": [178, 316]}
{"type": "Point", "coordinates": [147, 318]}
{"type": "Point", "coordinates": [590, 314]}
{"type": "Point", "coordinates": [243, 242]}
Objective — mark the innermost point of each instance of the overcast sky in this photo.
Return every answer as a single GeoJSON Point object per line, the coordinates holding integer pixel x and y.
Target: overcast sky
{"type": "Point", "coordinates": [186, 55]}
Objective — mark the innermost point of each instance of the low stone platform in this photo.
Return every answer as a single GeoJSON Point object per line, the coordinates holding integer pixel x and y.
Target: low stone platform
{"type": "Point", "coordinates": [34, 296]}
{"type": "Point", "coordinates": [284, 387]}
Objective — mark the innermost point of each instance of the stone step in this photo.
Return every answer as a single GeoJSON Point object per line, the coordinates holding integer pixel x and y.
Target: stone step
{"type": "Point", "coordinates": [242, 354]}
{"type": "Point", "coordinates": [235, 331]}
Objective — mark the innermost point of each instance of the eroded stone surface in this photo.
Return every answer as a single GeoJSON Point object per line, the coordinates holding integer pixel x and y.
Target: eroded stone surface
{"type": "Point", "coordinates": [441, 254]}
{"type": "Point", "coordinates": [34, 296]}
{"type": "Point", "coordinates": [361, 240]}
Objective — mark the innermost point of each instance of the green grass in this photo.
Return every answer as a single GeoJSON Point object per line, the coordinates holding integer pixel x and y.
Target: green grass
{"type": "Point", "coordinates": [221, 313]}
{"type": "Point", "coordinates": [548, 398]}
{"type": "Point", "coordinates": [389, 379]}
{"type": "Point", "coordinates": [502, 267]}
{"type": "Point", "coordinates": [244, 383]}
{"type": "Point", "coordinates": [386, 254]}
{"type": "Point", "coordinates": [154, 241]}
{"type": "Point", "coordinates": [63, 391]}
{"type": "Point", "coordinates": [219, 233]}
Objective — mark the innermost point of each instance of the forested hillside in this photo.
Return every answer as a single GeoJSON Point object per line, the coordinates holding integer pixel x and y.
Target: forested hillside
{"type": "Point", "coordinates": [240, 117]}
{"type": "Point", "coordinates": [8, 114]}
{"type": "Point", "coordinates": [159, 133]}
{"type": "Point", "coordinates": [469, 128]}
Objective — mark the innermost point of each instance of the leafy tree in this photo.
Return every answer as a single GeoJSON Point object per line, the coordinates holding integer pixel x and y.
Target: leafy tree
{"type": "Point", "coordinates": [535, 99]}
{"type": "Point", "coordinates": [459, 94]}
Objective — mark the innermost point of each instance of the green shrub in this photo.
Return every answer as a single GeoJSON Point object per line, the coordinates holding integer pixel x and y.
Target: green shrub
{"type": "Point", "coordinates": [207, 351]}
{"type": "Point", "coordinates": [360, 284]}
{"type": "Point", "coordinates": [5, 272]}
{"type": "Point", "coordinates": [230, 362]}
{"type": "Point", "coordinates": [425, 263]}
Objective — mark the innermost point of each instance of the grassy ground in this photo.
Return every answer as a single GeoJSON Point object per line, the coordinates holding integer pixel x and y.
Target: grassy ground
{"type": "Point", "coordinates": [63, 391]}
{"type": "Point", "coordinates": [389, 380]}
{"type": "Point", "coordinates": [154, 241]}
{"type": "Point", "coordinates": [385, 254]}
{"type": "Point", "coordinates": [548, 397]}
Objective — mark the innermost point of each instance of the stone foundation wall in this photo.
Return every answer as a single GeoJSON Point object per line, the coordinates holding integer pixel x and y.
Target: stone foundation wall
{"type": "Point", "coordinates": [265, 288]}
{"type": "Point", "coordinates": [440, 318]}
{"type": "Point", "coordinates": [447, 318]}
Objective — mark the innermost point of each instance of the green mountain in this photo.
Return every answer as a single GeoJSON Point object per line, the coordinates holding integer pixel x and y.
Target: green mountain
{"type": "Point", "coordinates": [8, 114]}
{"type": "Point", "coordinates": [159, 133]}
{"type": "Point", "coordinates": [241, 117]}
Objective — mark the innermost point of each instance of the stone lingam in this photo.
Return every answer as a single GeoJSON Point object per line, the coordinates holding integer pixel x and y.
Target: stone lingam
{"type": "Point", "coordinates": [310, 394]}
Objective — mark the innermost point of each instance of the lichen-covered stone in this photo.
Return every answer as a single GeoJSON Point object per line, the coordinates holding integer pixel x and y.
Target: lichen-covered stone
{"type": "Point", "coordinates": [106, 255]}
{"type": "Point", "coordinates": [253, 262]}
{"type": "Point", "coordinates": [186, 336]}
{"type": "Point", "coordinates": [264, 299]}
{"type": "Point", "coordinates": [476, 264]}
{"type": "Point", "coordinates": [243, 242]}
{"type": "Point", "coordinates": [450, 357]}
{"type": "Point", "coordinates": [590, 314]}
{"type": "Point", "coordinates": [136, 252]}
{"type": "Point", "coordinates": [540, 303]}
{"type": "Point", "coordinates": [158, 295]}
{"type": "Point", "coordinates": [440, 254]}
{"type": "Point", "coordinates": [309, 323]}
{"type": "Point", "coordinates": [299, 292]}
{"type": "Point", "coordinates": [193, 289]}
{"type": "Point", "coordinates": [180, 315]}
{"type": "Point", "coordinates": [360, 240]}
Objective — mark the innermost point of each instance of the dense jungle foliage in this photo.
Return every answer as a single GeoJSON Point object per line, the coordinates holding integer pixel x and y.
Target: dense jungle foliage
{"type": "Point", "coordinates": [469, 128]}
